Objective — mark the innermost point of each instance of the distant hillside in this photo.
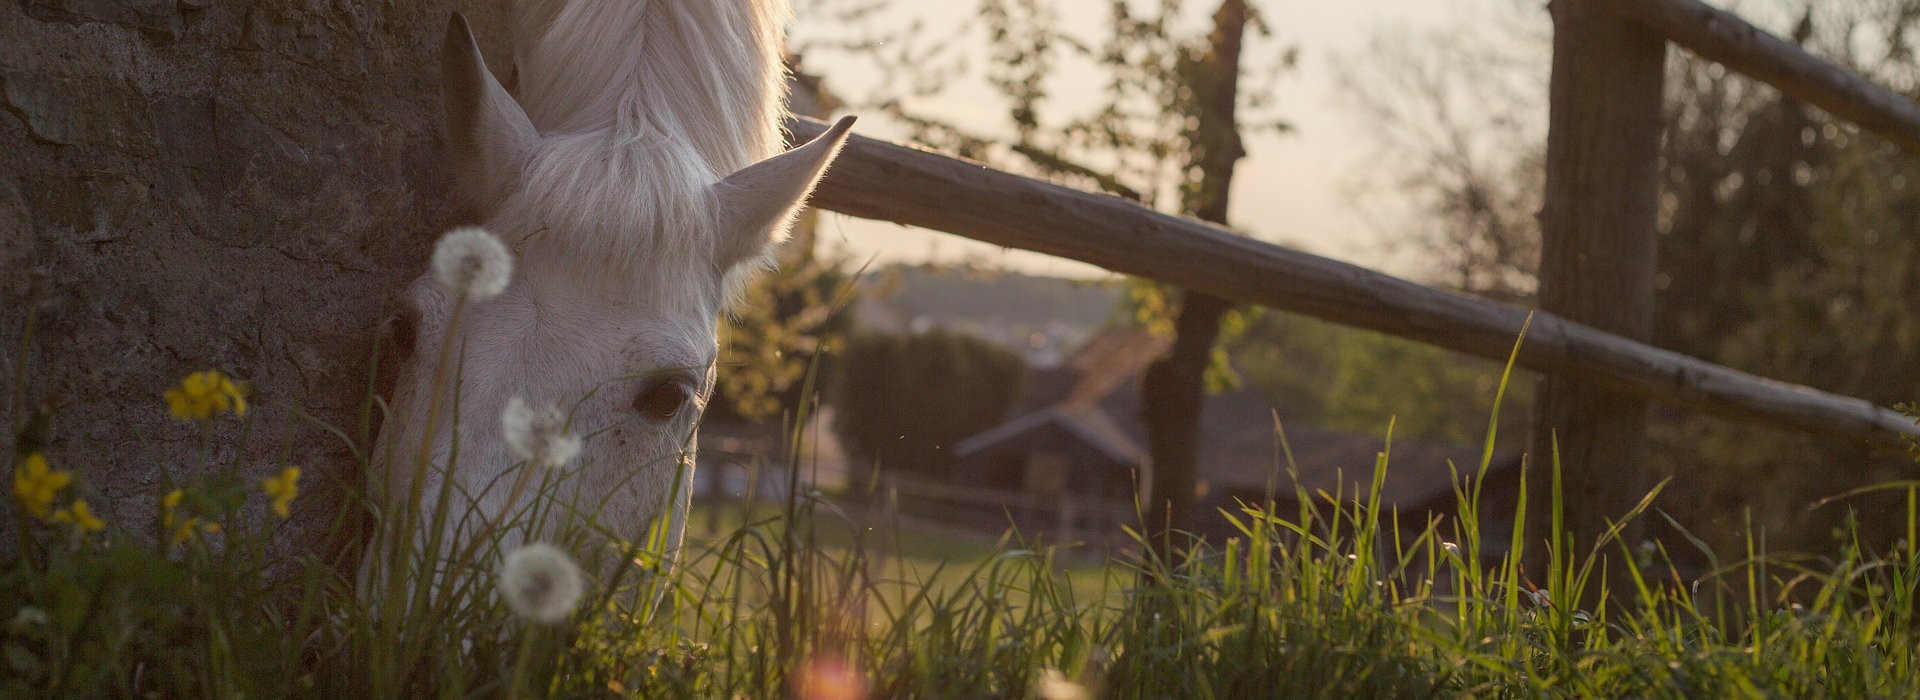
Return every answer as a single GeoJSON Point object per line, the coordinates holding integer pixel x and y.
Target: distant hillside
{"type": "Point", "coordinates": [1010, 297]}
{"type": "Point", "coordinates": [1038, 316]}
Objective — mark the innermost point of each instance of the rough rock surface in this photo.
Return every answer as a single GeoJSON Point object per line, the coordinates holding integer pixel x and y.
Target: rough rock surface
{"type": "Point", "coordinates": [191, 184]}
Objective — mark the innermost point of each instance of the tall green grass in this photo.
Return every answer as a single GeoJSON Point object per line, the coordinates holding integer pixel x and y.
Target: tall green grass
{"type": "Point", "coordinates": [1330, 599]}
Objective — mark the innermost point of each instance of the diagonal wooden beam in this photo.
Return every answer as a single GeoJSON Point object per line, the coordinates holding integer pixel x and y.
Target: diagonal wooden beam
{"type": "Point", "coordinates": [1727, 39]}
{"type": "Point", "coordinates": [876, 179]}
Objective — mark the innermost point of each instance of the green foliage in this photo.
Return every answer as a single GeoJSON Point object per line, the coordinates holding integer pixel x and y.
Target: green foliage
{"type": "Point", "coordinates": [785, 319]}
{"type": "Point", "coordinates": [1784, 251]}
{"type": "Point", "coordinates": [903, 401]}
{"type": "Point", "coordinates": [1322, 374]}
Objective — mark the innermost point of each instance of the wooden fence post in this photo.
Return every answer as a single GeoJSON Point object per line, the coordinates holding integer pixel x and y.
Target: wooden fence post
{"type": "Point", "coordinates": [1597, 261]}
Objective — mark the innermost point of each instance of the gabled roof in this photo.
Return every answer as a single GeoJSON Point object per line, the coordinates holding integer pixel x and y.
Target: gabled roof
{"type": "Point", "coordinates": [1239, 450]}
{"type": "Point", "coordinates": [1109, 360]}
{"type": "Point", "coordinates": [1087, 423]}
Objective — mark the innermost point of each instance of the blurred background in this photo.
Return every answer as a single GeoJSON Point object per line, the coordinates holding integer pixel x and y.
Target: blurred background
{"type": "Point", "coordinates": [970, 381]}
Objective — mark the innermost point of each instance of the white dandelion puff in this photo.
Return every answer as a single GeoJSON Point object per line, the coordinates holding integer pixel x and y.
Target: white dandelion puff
{"type": "Point", "coordinates": [540, 583]}
{"type": "Point", "coordinates": [472, 261]}
{"type": "Point", "coordinates": [28, 617]}
{"type": "Point", "coordinates": [538, 435]}
{"type": "Point", "coordinates": [1053, 685]}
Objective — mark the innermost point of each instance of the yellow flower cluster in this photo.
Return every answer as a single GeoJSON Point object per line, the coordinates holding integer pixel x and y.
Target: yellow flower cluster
{"type": "Point", "coordinates": [80, 516]}
{"type": "Point", "coordinates": [202, 394]}
{"type": "Point", "coordinates": [35, 485]}
{"type": "Point", "coordinates": [182, 528]}
{"type": "Point", "coordinates": [282, 489]}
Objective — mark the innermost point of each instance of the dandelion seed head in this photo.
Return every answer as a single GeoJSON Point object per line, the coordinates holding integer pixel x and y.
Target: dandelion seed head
{"type": "Point", "coordinates": [540, 583]}
{"type": "Point", "coordinates": [538, 435]}
{"type": "Point", "coordinates": [28, 617]}
{"type": "Point", "coordinates": [473, 262]}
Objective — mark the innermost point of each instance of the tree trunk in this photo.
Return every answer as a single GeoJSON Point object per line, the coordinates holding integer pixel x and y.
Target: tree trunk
{"type": "Point", "coordinates": [1175, 394]}
{"type": "Point", "coordinates": [1174, 387]}
{"type": "Point", "coordinates": [230, 184]}
{"type": "Point", "coordinates": [1597, 264]}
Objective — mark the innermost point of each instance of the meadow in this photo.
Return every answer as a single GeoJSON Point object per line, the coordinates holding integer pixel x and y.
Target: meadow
{"type": "Point", "coordinates": [808, 599]}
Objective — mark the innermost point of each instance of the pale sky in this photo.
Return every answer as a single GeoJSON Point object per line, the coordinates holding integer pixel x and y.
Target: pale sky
{"type": "Point", "coordinates": [1292, 189]}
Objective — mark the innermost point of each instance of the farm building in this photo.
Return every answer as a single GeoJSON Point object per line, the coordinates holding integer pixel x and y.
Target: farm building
{"type": "Point", "coordinates": [1070, 460]}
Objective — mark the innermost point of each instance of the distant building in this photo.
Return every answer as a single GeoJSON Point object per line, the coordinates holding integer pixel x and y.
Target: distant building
{"type": "Point", "coordinates": [1077, 444]}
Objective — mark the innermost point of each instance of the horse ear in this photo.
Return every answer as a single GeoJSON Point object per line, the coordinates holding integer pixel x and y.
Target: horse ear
{"type": "Point", "coordinates": [488, 133]}
{"type": "Point", "coordinates": [758, 203]}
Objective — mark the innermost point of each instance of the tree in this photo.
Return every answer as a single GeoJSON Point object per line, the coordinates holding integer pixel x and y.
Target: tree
{"type": "Point", "coordinates": [1167, 132]}
{"type": "Point", "coordinates": [901, 402]}
{"type": "Point", "coordinates": [1174, 387]}
{"type": "Point", "coordinates": [1319, 373]}
{"type": "Point", "coordinates": [1459, 130]}
{"type": "Point", "coordinates": [1773, 255]}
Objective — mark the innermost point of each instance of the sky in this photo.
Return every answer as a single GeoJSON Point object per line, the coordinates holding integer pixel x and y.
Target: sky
{"type": "Point", "coordinates": [1294, 189]}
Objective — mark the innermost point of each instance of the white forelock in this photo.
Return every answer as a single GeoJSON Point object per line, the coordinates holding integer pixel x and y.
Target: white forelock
{"type": "Point", "coordinates": [705, 73]}
{"type": "Point", "coordinates": [642, 105]}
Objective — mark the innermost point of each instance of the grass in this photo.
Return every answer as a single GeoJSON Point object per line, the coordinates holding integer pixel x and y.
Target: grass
{"type": "Point", "coordinates": [799, 600]}
{"type": "Point", "coordinates": [936, 559]}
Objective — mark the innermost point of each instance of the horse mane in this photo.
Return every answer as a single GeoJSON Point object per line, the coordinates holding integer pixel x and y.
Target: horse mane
{"type": "Point", "coordinates": [643, 105]}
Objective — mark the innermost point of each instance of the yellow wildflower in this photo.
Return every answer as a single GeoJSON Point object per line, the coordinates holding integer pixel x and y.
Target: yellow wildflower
{"type": "Point", "coordinates": [80, 516]}
{"type": "Point", "coordinates": [180, 534]}
{"type": "Point", "coordinates": [182, 528]}
{"type": "Point", "coordinates": [282, 489]}
{"type": "Point", "coordinates": [203, 394]}
{"type": "Point", "coordinates": [35, 485]}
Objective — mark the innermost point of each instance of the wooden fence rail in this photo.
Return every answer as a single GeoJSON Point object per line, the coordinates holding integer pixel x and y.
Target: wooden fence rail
{"type": "Point", "coordinates": [1727, 39]}
{"type": "Point", "coordinates": [879, 180]}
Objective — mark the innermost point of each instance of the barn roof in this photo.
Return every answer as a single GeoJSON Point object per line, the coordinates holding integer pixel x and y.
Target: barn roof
{"type": "Point", "coordinates": [1089, 424]}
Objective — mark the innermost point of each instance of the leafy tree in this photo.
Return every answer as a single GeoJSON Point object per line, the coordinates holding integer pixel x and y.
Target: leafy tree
{"type": "Point", "coordinates": [788, 321]}
{"type": "Point", "coordinates": [1458, 124]}
{"type": "Point", "coordinates": [1322, 374]}
{"type": "Point", "coordinates": [902, 401]}
{"type": "Point", "coordinates": [1784, 252]}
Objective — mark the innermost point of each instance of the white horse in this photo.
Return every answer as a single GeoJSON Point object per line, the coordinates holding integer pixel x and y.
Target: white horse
{"type": "Point", "coordinates": [638, 181]}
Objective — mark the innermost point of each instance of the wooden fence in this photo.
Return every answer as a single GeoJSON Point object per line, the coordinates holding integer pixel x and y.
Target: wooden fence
{"type": "Point", "coordinates": [1599, 239]}
{"type": "Point", "coordinates": [1066, 518]}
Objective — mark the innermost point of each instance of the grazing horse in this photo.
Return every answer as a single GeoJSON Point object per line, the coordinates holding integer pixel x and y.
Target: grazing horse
{"type": "Point", "coordinates": [634, 170]}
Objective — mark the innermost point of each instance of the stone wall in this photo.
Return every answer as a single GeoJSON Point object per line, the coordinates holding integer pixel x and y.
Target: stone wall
{"type": "Point", "coordinates": [231, 184]}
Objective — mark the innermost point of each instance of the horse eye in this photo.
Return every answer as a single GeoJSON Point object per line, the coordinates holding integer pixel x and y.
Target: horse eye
{"type": "Point", "coordinates": [662, 399]}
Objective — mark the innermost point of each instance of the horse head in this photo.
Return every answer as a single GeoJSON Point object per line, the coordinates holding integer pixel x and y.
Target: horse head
{"type": "Point", "coordinates": [627, 243]}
